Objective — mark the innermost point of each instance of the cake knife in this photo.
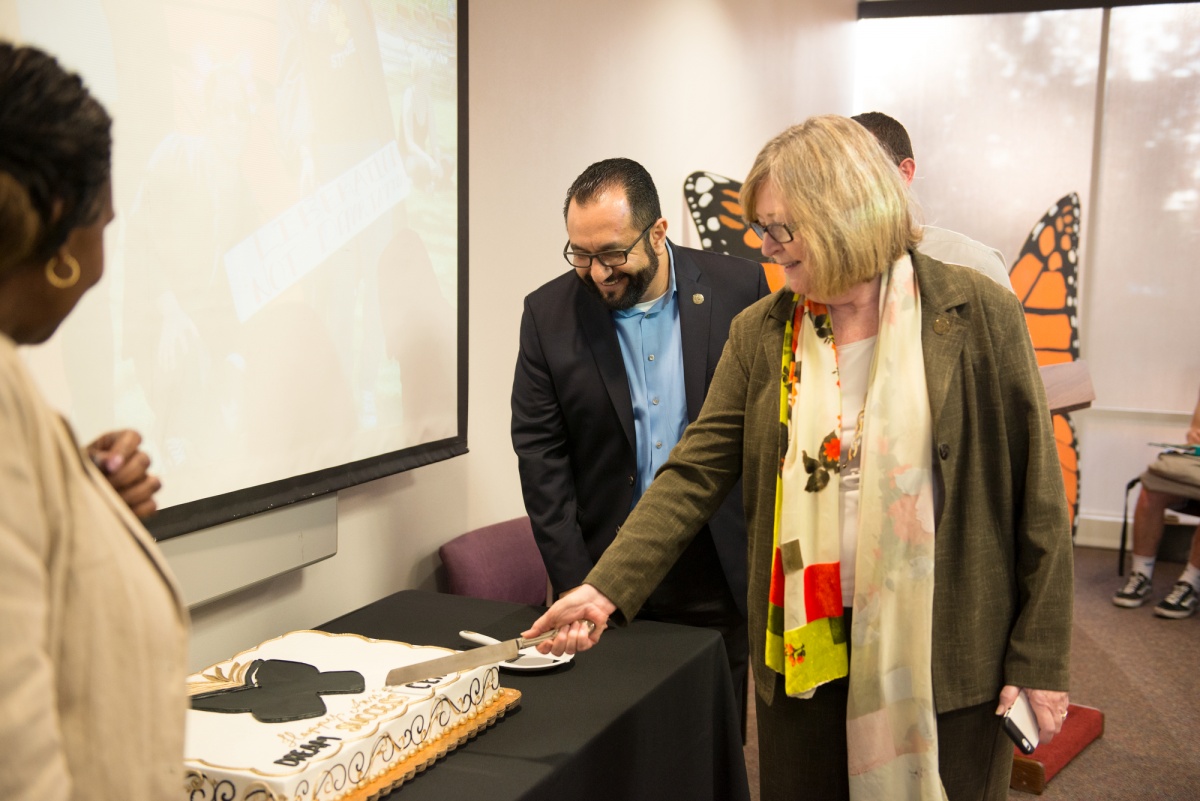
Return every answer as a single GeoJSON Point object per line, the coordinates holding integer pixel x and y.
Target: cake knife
{"type": "Point", "coordinates": [465, 660]}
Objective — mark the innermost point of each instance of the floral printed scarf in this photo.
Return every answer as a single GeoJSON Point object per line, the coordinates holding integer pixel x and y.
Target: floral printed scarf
{"type": "Point", "coordinates": [891, 725]}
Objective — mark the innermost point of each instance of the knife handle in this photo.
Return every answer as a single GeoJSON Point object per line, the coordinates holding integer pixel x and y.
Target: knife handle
{"type": "Point", "coordinates": [524, 643]}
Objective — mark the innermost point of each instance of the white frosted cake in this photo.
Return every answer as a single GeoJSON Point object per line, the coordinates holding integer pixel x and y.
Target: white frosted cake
{"type": "Point", "coordinates": [308, 717]}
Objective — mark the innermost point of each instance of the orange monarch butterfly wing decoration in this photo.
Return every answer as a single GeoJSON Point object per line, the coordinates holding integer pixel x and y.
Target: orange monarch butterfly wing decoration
{"type": "Point", "coordinates": [716, 210]}
{"type": "Point", "coordinates": [1045, 278]}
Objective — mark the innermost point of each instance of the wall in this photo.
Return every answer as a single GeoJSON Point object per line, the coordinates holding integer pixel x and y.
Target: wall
{"type": "Point", "coordinates": [679, 85]}
{"type": "Point", "coordinates": [1101, 102]}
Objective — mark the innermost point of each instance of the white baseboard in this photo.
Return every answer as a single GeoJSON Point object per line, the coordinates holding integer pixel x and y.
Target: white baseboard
{"type": "Point", "coordinates": [1099, 532]}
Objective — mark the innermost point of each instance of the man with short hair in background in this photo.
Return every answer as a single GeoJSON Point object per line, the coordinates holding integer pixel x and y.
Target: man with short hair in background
{"type": "Point", "coordinates": [946, 246]}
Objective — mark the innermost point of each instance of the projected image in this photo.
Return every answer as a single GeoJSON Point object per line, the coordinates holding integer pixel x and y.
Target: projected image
{"type": "Point", "coordinates": [281, 288]}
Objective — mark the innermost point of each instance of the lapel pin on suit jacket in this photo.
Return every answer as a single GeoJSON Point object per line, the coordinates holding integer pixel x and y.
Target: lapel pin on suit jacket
{"type": "Point", "coordinates": [697, 298]}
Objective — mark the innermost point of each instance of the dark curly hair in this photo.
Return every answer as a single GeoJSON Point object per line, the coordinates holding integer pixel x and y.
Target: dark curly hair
{"type": "Point", "coordinates": [626, 174]}
{"type": "Point", "coordinates": [55, 150]}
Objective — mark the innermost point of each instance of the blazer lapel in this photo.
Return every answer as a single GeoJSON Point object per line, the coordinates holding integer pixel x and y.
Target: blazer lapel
{"type": "Point", "coordinates": [695, 318]}
{"type": "Point", "coordinates": [772, 343]}
{"type": "Point", "coordinates": [943, 331]}
{"type": "Point", "coordinates": [601, 335]}
{"type": "Point", "coordinates": [777, 319]}
{"type": "Point", "coordinates": [129, 521]}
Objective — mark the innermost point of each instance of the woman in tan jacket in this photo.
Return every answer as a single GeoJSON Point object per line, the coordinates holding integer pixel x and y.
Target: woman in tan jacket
{"type": "Point", "coordinates": [93, 634]}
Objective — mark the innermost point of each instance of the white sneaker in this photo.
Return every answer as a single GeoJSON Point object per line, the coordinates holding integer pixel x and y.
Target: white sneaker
{"type": "Point", "coordinates": [1180, 603]}
{"type": "Point", "coordinates": [1134, 593]}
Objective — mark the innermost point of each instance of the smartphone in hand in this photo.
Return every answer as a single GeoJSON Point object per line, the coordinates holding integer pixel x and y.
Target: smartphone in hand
{"type": "Point", "coordinates": [1021, 724]}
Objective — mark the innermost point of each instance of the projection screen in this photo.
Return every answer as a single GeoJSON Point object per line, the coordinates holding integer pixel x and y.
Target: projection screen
{"type": "Point", "coordinates": [283, 308]}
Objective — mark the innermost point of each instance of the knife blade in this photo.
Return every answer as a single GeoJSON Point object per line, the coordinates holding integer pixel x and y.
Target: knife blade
{"type": "Point", "coordinates": [463, 660]}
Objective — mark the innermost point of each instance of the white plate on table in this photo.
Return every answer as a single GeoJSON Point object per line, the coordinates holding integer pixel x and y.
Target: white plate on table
{"type": "Point", "coordinates": [526, 659]}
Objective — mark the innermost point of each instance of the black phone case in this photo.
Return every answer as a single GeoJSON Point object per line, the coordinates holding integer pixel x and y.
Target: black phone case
{"type": "Point", "coordinates": [1017, 736]}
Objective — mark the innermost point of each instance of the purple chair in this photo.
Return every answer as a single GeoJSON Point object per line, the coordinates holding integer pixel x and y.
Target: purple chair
{"type": "Point", "coordinates": [500, 562]}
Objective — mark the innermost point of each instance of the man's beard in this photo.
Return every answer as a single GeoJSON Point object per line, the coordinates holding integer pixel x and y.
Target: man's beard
{"type": "Point", "coordinates": [636, 285]}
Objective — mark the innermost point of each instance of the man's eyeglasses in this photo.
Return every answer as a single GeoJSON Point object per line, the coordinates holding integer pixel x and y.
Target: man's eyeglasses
{"type": "Point", "coordinates": [780, 232]}
{"type": "Point", "coordinates": [609, 258]}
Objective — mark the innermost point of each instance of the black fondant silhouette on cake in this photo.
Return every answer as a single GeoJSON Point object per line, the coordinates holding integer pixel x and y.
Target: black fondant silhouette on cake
{"type": "Point", "coordinates": [276, 691]}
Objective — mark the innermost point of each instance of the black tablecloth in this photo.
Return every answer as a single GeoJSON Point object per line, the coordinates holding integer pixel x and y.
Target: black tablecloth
{"type": "Point", "coordinates": [647, 714]}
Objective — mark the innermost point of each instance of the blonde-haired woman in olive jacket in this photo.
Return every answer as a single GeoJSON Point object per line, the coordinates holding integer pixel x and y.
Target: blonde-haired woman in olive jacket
{"type": "Point", "coordinates": [909, 550]}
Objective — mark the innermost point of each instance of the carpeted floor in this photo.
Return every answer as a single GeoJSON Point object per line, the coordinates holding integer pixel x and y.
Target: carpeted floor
{"type": "Point", "coordinates": [1142, 672]}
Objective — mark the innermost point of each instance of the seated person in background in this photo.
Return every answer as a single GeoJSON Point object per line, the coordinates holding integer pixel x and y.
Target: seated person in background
{"type": "Point", "coordinates": [945, 246]}
{"type": "Point", "coordinates": [1147, 533]}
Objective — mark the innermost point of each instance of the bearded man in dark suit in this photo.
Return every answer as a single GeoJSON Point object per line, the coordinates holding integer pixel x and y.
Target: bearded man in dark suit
{"type": "Point", "coordinates": [615, 360]}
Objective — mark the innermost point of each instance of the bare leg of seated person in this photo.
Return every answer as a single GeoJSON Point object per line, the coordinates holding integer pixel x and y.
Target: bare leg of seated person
{"type": "Point", "coordinates": [1148, 525]}
{"type": "Point", "coordinates": [1147, 534]}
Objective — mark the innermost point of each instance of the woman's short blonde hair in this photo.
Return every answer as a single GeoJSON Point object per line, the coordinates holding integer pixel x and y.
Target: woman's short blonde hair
{"type": "Point", "coordinates": [845, 200]}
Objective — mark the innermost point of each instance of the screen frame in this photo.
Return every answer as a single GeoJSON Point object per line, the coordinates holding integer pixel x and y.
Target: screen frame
{"type": "Point", "coordinates": [887, 9]}
{"type": "Point", "coordinates": [185, 518]}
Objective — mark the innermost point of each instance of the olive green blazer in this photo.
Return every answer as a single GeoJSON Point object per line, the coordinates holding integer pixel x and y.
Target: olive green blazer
{"type": "Point", "coordinates": [1003, 572]}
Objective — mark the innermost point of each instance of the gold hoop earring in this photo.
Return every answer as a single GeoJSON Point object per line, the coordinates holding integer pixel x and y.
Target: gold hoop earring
{"type": "Point", "coordinates": [57, 281]}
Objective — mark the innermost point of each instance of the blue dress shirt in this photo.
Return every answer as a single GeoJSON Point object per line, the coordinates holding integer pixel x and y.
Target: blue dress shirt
{"type": "Point", "coordinates": [652, 349]}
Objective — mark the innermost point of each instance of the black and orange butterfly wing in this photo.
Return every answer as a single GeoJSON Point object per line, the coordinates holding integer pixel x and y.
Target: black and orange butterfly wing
{"type": "Point", "coordinates": [713, 201]}
{"type": "Point", "coordinates": [1045, 278]}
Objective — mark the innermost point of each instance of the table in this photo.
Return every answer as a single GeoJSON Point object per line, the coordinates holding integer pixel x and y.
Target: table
{"type": "Point", "coordinates": [648, 714]}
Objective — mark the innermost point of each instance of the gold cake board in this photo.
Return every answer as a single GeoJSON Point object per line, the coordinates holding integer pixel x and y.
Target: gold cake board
{"type": "Point", "coordinates": [425, 756]}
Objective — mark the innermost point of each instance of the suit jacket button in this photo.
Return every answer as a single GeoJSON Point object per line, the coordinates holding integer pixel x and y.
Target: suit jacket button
{"type": "Point", "coordinates": [944, 451]}
{"type": "Point", "coordinates": [631, 480]}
